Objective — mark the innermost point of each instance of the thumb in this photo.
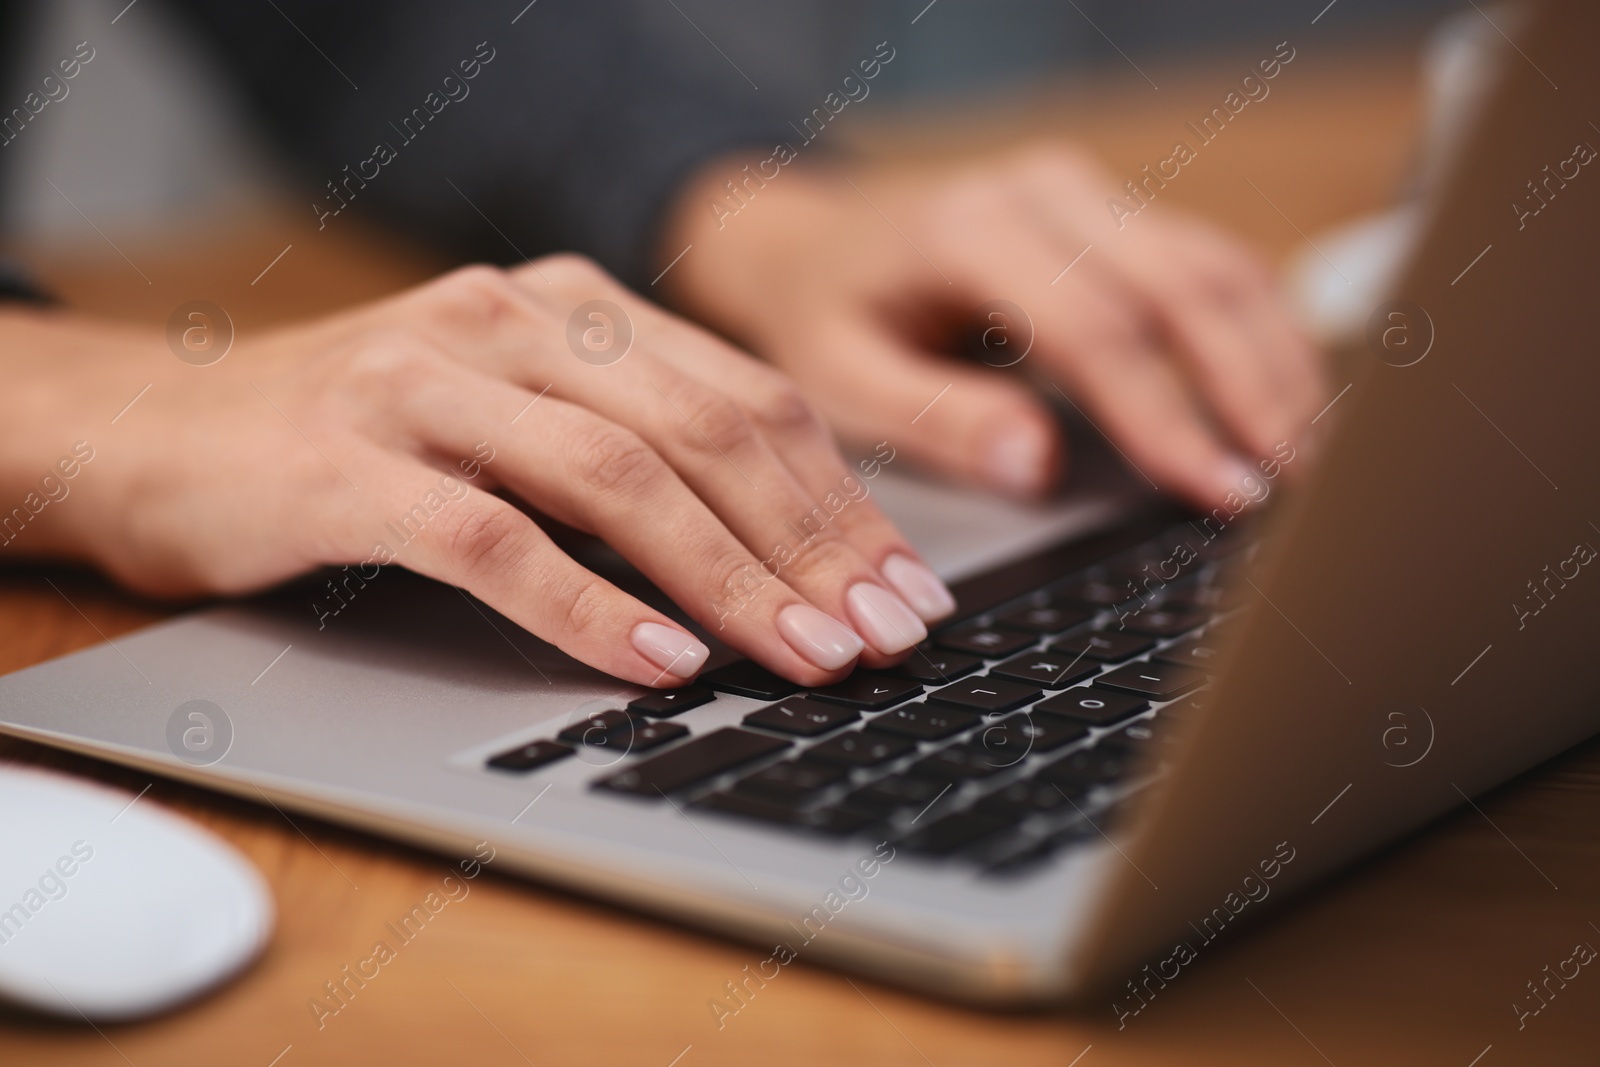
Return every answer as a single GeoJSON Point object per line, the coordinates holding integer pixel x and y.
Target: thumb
{"type": "Point", "coordinates": [973, 424]}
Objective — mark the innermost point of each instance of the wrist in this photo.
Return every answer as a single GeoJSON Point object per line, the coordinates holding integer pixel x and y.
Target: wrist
{"type": "Point", "coordinates": [66, 381]}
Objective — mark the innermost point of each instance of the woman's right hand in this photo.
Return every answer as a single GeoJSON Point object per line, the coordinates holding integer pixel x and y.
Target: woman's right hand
{"type": "Point", "coordinates": [378, 434]}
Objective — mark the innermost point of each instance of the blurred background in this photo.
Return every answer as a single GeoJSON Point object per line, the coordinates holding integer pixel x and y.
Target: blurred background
{"type": "Point", "coordinates": [154, 137]}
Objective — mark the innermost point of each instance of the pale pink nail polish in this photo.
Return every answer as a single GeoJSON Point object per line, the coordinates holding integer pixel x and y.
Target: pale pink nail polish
{"type": "Point", "coordinates": [920, 587]}
{"type": "Point", "coordinates": [674, 651]}
{"type": "Point", "coordinates": [1235, 476]}
{"type": "Point", "coordinates": [818, 639]}
{"type": "Point", "coordinates": [886, 621]}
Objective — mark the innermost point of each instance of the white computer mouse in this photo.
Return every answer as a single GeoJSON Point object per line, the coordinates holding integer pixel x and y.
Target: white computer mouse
{"type": "Point", "coordinates": [110, 906]}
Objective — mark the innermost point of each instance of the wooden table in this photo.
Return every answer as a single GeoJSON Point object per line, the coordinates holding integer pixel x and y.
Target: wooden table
{"type": "Point", "coordinates": [1415, 958]}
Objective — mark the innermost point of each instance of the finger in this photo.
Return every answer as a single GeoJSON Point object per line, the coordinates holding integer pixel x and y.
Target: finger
{"type": "Point", "coordinates": [709, 438]}
{"type": "Point", "coordinates": [438, 526]}
{"type": "Point", "coordinates": [1293, 363]}
{"type": "Point", "coordinates": [1204, 289]}
{"type": "Point", "coordinates": [1141, 402]}
{"type": "Point", "coordinates": [803, 442]}
{"type": "Point", "coordinates": [599, 477]}
{"type": "Point", "coordinates": [1230, 368]}
{"type": "Point", "coordinates": [1250, 361]}
{"type": "Point", "coordinates": [1096, 336]}
{"type": "Point", "coordinates": [501, 323]}
{"type": "Point", "coordinates": [726, 461]}
{"type": "Point", "coordinates": [1189, 296]}
{"type": "Point", "coordinates": [976, 425]}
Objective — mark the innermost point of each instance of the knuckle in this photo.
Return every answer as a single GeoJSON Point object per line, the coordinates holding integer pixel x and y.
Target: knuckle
{"type": "Point", "coordinates": [717, 423]}
{"type": "Point", "coordinates": [825, 558]}
{"type": "Point", "coordinates": [584, 602]}
{"type": "Point", "coordinates": [481, 539]}
{"type": "Point", "coordinates": [614, 461]}
{"type": "Point", "coordinates": [742, 577]}
{"type": "Point", "coordinates": [477, 295]}
{"type": "Point", "coordinates": [381, 359]}
{"type": "Point", "coordinates": [571, 270]}
{"type": "Point", "coordinates": [781, 408]}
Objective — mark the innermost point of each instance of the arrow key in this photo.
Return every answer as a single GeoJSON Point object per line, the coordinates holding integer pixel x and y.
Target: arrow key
{"type": "Point", "coordinates": [869, 690]}
{"type": "Point", "coordinates": [801, 717]}
{"type": "Point", "coordinates": [986, 694]}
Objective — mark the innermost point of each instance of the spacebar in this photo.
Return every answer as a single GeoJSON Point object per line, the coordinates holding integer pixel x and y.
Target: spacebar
{"type": "Point", "coordinates": [702, 758]}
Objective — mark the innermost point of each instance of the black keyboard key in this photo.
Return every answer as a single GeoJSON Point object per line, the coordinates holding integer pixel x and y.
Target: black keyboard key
{"type": "Point", "coordinates": [1098, 707]}
{"type": "Point", "coordinates": [751, 807]}
{"type": "Point", "coordinates": [1180, 543]}
{"type": "Point", "coordinates": [802, 717]}
{"type": "Point", "coordinates": [1136, 571]}
{"type": "Point", "coordinates": [1079, 772]}
{"type": "Point", "coordinates": [935, 666]}
{"type": "Point", "coordinates": [958, 763]}
{"type": "Point", "coordinates": [1023, 734]}
{"type": "Point", "coordinates": [1195, 597]}
{"type": "Point", "coordinates": [1186, 708]}
{"type": "Point", "coordinates": [985, 641]}
{"type": "Point", "coordinates": [1105, 646]}
{"type": "Point", "coordinates": [861, 748]}
{"type": "Point", "coordinates": [1022, 799]}
{"type": "Point", "coordinates": [1157, 681]}
{"type": "Point", "coordinates": [531, 757]}
{"type": "Point", "coordinates": [1140, 735]}
{"type": "Point", "coordinates": [987, 694]}
{"type": "Point", "coordinates": [1232, 542]}
{"type": "Point", "coordinates": [884, 798]}
{"type": "Point", "coordinates": [924, 723]}
{"type": "Point", "coordinates": [1047, 670]}
{"type": "Point", "coordinates": [694, 761]}
{"type": "Point", "coordinates": [601, 728]}
{"type": "Point", "coordinates": [667, 702]}
{"type": "Point", "coordinates": [832, 821]}
{"type": "Point", "coordinates": [1095, 592]}
{"type": "Point", "coordinates": [1038, 855]}
{"type": "Point", "coordinates": [1162, 623]}
{"type": "Point", "coordinates": [1198, 651]}
{"type": "Point", "coordinates": [653, 735]}
{"type": "Point", "coordinates": [870, 690]}
{"type": "Point", "coordinates": [1046, 619]}
{"type": "Point", "coordinates": [1147, 738]}
{"type": "Point", "coordinates": [790, 781]}
{"type": "Point", "coordinates": [747, 679]}
{"type": "Point", "coordinates": [953, 833]}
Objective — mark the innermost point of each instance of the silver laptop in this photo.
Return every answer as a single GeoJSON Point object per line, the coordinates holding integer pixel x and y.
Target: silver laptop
{"type": "Point", "coordinates": [1134, 738]}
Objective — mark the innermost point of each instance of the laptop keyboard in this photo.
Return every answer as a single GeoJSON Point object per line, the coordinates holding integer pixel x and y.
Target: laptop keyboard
{"type": "Point", "coordinates": [1007, 737]}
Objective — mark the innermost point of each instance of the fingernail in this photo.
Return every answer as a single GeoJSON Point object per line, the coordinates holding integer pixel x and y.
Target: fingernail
{"type": "Point", "coordinates": [674, 651]}
{"type": "Point", "coordinates": [1234, 476]}
{"type": "Point", "coordinates": [920, 587]}
{"type": "Point", "coordinates": [1017, 460]}
{"type": "Point", "coordinates": [886, 621]}
{"type": "Point", "coordinates": [818, 639]}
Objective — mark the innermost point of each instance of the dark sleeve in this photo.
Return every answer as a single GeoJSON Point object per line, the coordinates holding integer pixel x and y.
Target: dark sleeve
{"type": "Point", "coordinates": [571, 133]}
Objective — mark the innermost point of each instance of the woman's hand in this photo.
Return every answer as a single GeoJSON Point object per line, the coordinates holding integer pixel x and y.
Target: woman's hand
{"type": "Point", "coordinates": [379, 434]}
{"type": "Point", "coordinates": [1168, 334]}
